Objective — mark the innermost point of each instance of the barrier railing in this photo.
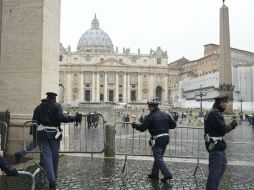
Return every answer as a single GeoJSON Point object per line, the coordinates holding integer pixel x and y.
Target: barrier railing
{"type": "Point", "coordinates": [5, 117]}
{"type": "Point", "coordinates": [87, 137]}
{"type": "Point", "coordinates": [185, 142]}
{"type": "Point", "coordinates": [3, 135]}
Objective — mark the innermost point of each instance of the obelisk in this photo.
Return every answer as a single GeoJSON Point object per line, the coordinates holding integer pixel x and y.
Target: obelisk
{"type": "Point", "coordinates": [225, 70]}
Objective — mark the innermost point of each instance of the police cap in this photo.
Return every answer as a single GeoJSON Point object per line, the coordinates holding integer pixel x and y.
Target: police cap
{"type": "Point", "coordinates": [221, 98]}
{"type": "Point", "coordinates": [51, 94]}
{"type": "Point", "coordinates": [153, 102]}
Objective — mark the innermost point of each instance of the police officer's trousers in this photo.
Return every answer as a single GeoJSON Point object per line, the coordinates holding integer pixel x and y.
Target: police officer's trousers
{"type": "Point", "coordinates": [50, 155]}
{"type": "Point", "coordinates": [3, 163]}
{"type": "Point", "coordinates": [158, 153]}
{"type": "Point", "coordinates": [217, 167]}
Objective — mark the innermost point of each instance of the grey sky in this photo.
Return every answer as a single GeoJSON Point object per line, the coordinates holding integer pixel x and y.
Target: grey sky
{"type": "Point", "coordinates": [181, 27]}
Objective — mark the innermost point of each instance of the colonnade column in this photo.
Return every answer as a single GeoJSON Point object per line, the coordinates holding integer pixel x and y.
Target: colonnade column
{"type": "Point", "coordinates": [68, 88]}
{"type": "Point", "coordinates": [124, 87]}
{"type": "Point", "coordinates": [81, 94]}
{"type": "Point", "coordinates": [128, 87]}
{"type": "Point", "coordinates": [106, 87]}
{"type": "Point", "coordinates": [117, 89]}
{"type": "Point", "coordinates": [139, 88]}
{"type": "Point", "coordinates": [151, 81]}
{"type": "Point", "coordinates": [165, 97]}
{"type": "Point", "coordinates": [98, 87]}
{"type": "Point", "coordinates": [93, 87]}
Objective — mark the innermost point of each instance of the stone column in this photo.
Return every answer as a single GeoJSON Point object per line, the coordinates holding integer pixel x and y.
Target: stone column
{"type": "Point", "coordinates": [117, 89]}
{"type": "Point", "coordinates": [93, 87]}
{"type": "Point", "coordinates": [139, 88]}
{"type": "Point", "coordinates": [68, 91]}
{"type": "Point", "coordinates": [29, 65]}
{"type": "Point", "coordinates": [225, 69]}
{"type": "Point", "coordinates": [98, 87]}
{"type": "Point", "coordinates": [81, 97]}
{"type": "Point", "coordinates": [151, 81]}
{"type": "Point", "coordinates": [128, 87]}
{"type": "Point", "coordinates": [124, 87]}
{"type": "Point", "coordinates": [106, 87]}
{"type": "Point", "coordinates": [165, 97]}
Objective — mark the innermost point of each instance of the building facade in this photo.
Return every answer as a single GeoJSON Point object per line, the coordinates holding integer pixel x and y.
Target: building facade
{"type": "Point", "coordinates": [96, 72]}
{"type": "Point", "coordinates": [203, 75]}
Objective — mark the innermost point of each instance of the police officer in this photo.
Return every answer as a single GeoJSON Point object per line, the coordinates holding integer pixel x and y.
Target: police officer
{"type": "Point", "coordinates": [215, 129]}
{"type": "Point", "coordinates": [7, 168]}
{"type": "Point", "coordinates": [31, 146]}
{"type": "Point", "coordinates": [49, 118]}
{"type": "Point", "coordinates": [158, 124]}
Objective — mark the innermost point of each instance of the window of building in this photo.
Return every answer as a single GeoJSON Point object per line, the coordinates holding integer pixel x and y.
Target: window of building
{"type": "Point", "coordinates": [120, 86]}
{"type": "Point", "coordinates": [87, 95]}
{"type": "Point", "coordinates": [120, 98]}
{"type": "Point", "coordinates": [87, 85]}
{"type": "Point", "coordinates": [133, 95]}
{"type": "Point", "coordinates": [102, 59]}
{"type": "Point", "coordinates": [158, 61]}
{"type": "Point", "coordinates": [60, 58]}
{"type": "Point", "coordinates": [111, 95]}
{"type": "Point", "coordinates": [101, 97]}
{"type": "Point", "coordinates": [101, 85]}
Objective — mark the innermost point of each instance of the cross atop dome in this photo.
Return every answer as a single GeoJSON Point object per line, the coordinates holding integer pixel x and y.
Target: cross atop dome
{"type": "Point", "coordinates": [95, 22]}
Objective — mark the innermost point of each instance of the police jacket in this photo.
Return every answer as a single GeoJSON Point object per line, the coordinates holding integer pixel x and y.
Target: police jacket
{"type": "Point", "coordinates": [50, 113]}
{"type": "Point", "coordinates": [157, 122]}
{"type": "Point", "coordinates": [215, 124]}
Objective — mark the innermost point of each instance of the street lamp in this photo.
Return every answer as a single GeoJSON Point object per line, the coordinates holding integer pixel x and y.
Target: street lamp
{"type": "Point", "coordinates": [201, 93]}
{"type": "Point", "coordinates": [241, 100]}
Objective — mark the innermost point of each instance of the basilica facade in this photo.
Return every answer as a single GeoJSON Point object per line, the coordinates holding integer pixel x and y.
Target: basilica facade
{"type": "Point", "coordinates": [98, 72]}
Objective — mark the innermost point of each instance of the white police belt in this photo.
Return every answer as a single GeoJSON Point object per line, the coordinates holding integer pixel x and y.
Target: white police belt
{"type": "Point", "coordinates": [217, 138]}
{"type": "Point", "coordinates": [44, 128]}
{"type": "Point", "coordinates": [160, 135]}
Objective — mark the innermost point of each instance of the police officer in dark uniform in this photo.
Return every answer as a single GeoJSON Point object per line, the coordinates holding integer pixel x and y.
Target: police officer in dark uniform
{"type": "Point", "coordinates": [215, 129]}
{"type": "Point", "coordinates": [7, 167]}
{"type": "Point", "coordinates": [31, 146]}
{"type": "Point", "coordinates": [158, 124]}
{"type": "Point", "coordinates": [49, 117]}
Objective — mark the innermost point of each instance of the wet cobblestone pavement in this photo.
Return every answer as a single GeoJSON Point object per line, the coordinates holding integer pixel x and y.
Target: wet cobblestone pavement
{"type": "Point", "coordinates": [98, 173]}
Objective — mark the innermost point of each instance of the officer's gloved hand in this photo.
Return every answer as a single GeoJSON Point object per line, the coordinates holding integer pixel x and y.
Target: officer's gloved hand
{"type": "Point", "coordinates": [233, 124]}
{"type": "Point", "coordinates": [78, 118]}
{"type": "Point", "coordinates": [133, 125]}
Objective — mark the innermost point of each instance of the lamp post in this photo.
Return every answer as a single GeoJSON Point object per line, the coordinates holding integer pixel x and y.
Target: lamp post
{"type": "Point", "coordinates": [201, 93]}
{"type": "Point", "coordinates": [241, 101]}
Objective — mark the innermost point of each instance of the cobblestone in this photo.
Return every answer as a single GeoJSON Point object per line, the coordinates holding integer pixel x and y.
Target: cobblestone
{"type": "Point", "coordinates": [98, 173]}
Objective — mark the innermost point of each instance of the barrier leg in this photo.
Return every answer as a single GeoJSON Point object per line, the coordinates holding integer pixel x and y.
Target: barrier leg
{"type": "Point", "coordinates": [25, 173]}
{"type": "Point", "coordinates": [125, 166]}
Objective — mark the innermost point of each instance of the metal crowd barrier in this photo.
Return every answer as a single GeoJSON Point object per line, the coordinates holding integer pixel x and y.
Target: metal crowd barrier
{"type": "Point", "coordinates": [3, 135]}
{"type": "Point", "coordinates": [87, 137]}
{"type": "Point", "coordinates": [185, 142]}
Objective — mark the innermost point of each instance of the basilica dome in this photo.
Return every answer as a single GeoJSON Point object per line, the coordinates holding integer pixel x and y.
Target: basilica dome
{"type": "Point", "coordinates": [95, 39]}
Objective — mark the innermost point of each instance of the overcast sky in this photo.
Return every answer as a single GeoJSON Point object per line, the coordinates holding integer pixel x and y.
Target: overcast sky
{"type": "Point", "coordinates": [181, 27]}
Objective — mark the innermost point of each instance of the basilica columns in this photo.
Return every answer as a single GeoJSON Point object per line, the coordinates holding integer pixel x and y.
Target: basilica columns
{"type": "Point", "coordinates": [151, 86]}
{"type": "Point", "coordinates": [124, 88]}
{"type": "Point", "coordinates": [93, 93]}
{"type": "Point", "coordinates": [165, 97]}
{"type": "Point", "coordinates": [139, 96]}
{"type": "Point", "coordinates": [98, 87]}
{"type": "Point", "coordinates": [128, 87]}
{"type": "Point", "coordinates": [106, 87]}
{"type": "Point", "coordinates": [81, 97]}
{"type": "Point", "coordinates": [117, 89]}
